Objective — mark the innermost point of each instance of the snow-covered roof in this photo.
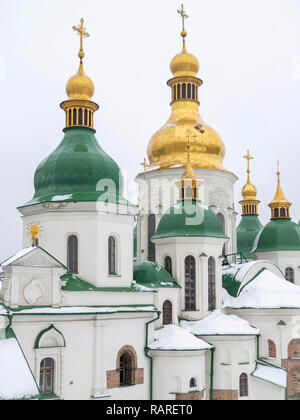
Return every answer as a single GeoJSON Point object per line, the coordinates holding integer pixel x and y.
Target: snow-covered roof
{"type": "Point", "coordinates": [267, 290]}
{"type": "Point", "coordinates": [16, 379]}
{"type": "Point", "coordinates": [68, 310]}
{"type": "Point", "coordinates": [17, 256]}
{"type": "Point", "coordinates": [172, 337]}
{"type": "Point", "coordinates": [271, 374]}
{"type": "Point", "coordinates": [217, 323]}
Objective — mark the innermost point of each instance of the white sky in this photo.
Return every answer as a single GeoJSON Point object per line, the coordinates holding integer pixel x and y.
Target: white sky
{"type": "Point", "coordinates": [249, 54]}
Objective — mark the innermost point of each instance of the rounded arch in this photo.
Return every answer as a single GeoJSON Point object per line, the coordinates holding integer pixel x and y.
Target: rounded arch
{"type": "Point", "coordinates": [211, 284]}
{"type": "Point", "coordinates": [168, 264]}
{"type": "Point", "coordinates": [129, 349]}
{"type": "Point", "coordinates": [72, 252]}
{"type": "Point", "coordinates": [151, 231]}
{"type": "Point", "coordinates": [243, 385]}
{"type": "Point", "coordinates": [272, 349]}
{"type": "Point", "coordinates": [167, 311]}
{"type": "Point", "coordinates": [294, 348]}
{"type": "Point", "coordinates": [289, 274]}
{"type": "Point", "coordinates": [193, 382]}
{"type": "Point", "coordinates": [190, 283]}
{"type": "Point", "coordinates": [127, 365]}
{"type": "Point", "coordinates": [47, 368]}
{"type": "Point", "coordinates": [50, 337]}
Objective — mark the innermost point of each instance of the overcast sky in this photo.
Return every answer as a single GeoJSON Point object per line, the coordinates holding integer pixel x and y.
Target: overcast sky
{"type": "Point", "coordinates": [249, 54]}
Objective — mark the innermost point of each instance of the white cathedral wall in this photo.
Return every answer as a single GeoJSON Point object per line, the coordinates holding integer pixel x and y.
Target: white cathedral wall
{"type": "Point", "coordinates": [173, 370]}
{"type": "Point", "coordinates": [178, 249]}
{"type": "Point", "coordinates": [92, 226]}
{"type": "Point", "coordinates": [283, 260]}
{"type": "Point", "coordinates": [92, 346]}
{"type": "Point", "coordinates": [158, 192]}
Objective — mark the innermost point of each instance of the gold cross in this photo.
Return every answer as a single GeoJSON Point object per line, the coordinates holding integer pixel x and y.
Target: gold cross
{"type": "Point", "coordinates": [83, 34]}
{"type": "Point", "coordinates": [248, 157]}
{"type": "Point", "coordinates": [183, 17]}
{"type": "Point", "coordinates": [145, 165]}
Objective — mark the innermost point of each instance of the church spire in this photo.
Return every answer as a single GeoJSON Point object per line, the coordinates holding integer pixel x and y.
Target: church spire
{"type": "Point", "coordinates": [183, 32]}
{"type": "Point", "coordinates": [80, 89]}
{"type": "Point", "coordinates": [280, 206]}
{"type": "Point", "coordinates": [249, 192]}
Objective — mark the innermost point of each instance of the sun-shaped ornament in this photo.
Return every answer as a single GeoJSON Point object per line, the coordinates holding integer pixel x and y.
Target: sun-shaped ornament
{"type": "Point", "coordinates": [34, 231]}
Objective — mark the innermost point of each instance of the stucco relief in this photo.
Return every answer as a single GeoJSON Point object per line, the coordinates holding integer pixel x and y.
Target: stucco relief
{"type": "Point", "coordinates": [36, 292]}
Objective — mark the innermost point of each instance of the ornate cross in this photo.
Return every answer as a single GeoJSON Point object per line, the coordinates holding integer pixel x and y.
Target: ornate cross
{"type": "Point", "coordinates": [145, 165]}
{"type": "Point", "coordinates": [183, 17]}
{"type": "Point", "coordinates": [248, 157]}
{"type": "Point", "coordinates": [83, 34]}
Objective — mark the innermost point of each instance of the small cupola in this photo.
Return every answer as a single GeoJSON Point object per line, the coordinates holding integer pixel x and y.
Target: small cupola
{"type": "Point", "coordinates": [249, 192]}
{"type": "Point", "coordinates": [280, 206]}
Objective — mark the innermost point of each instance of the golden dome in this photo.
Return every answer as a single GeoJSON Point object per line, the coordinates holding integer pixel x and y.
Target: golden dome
{"type": "Point", "coordinates": [249, 192]}
{"type": "Point", "coordinates": [184, 64]}
{"type": "Point", "coordinates": [80, 86]}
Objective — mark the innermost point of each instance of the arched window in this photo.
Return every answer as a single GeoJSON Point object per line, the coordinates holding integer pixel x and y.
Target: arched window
{"type": "Point", "coordinates": [189, 90]}
{"type": "Point", "coordinates": [221, 218]}
{"type": "Point", "coordinates": [47, 376]}
{"type": "Point", "coordinates": [290, 274]}
{"type": "Point", "coordinates": [168, 265]}
{"type": "Point", "coordinates": [126, 368]}
{"type": "Point", "coordinates": [276, 212]}
{"type": "Point", "coordinates": [190, 283]}
{"type": "Point", "coordinates": [211, 284]}
{"type": "Point", "coordinates": [85, 117]}
{"type": "Point", "coordinates": [272, 349]}
{"type": "Point", "coordinates": [70, 117]}
{"type": "Point", "coordinates": [178, 92]}
{"type": "Point", "coordinates": [74, 116]}
{"type": "Point", "coordinates": [151, 232]}
{"type": "Point", "coordinates": [174, 93]}
{"type": "Point", "coordinates": [193, 383]}
{"type": "Point", "coordinates": [72, 254]}
{"type": "Point", "coordinates": [167, 313]}
{"type": "Point", "coordinates": [194, 92]}
{"type": "Point", "coordinates": [243, 385]}
{"type": "Point", "coordinates": [80, 116]}
{"type": "Point", "coordinates": [112, 256]}
{"type": "Point", "coordinates": [282, 212]}
{"type": "Point", "coordinates": [183, 91]}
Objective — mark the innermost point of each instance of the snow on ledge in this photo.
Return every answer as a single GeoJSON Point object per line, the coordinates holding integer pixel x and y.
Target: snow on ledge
{"type": "Point", "coordinates": [70, 310]}
{"type": "Point", "coordinates": [172, 337]}
{"type": "Point", "coordinates": [18, 256]}
{"type": "Point", "coordinates": [275, 375]}
{"type": "Point", "coordinates": [217, 323]}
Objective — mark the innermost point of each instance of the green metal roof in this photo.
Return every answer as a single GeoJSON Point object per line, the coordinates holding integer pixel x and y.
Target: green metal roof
{"type": "Point", "coordinates": [247, 231]}
{"type": "Point", "coordinates": [278, 235]}
{"type": "Point", "coordinates": [189, 219]}
{"type": "Point", "coordinates": [71, 173]}
{"type": "Point", "coordinates": [153, 275]}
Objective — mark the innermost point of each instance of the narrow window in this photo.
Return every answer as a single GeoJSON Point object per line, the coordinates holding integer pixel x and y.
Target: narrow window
{"type": "Point", "coordinates": [151, 232]}
{"type": "Point", "coordinates": [126, 369]}
{"type": "Point", "coordinates": [243, 385]}
{"type": "Point", "coordinates": [168, 265]}
{"type": "Point", "coordinates": [80, 116]}
{"type": "Point", "coordinates": [112, 255]}
{"type": "Point", "coordinates": [193, 383]}
{"type": "Point", "coordinates": [72, 252]}
{"type": "Point", "coordinates": [282, 212]}
{"type": "Point", "coordinates": [290, 274]}
{"type": "Point", "coordinates": [167, 313]}
{"type": "Point", "coordinates": [194, 92]}
{"type": "Point", "coordinates": [178, 91]}
{"type": "Point", "coordinates": [47, 376]}
{"type": "Point", "coordinates": [174, 93]}
{"type": "Point", "coordinates": [190, 283]}
{"type": "Point", "coordinates": [85, 117]}
{"type": "Point", "coordinates": [70, 117]}
{"type": "Point", "coordinates": [183, 90]}
{"type": "Point", "coordinates": [74, 116]}
{"type": "Point", "coordinates": [272, 349]}
{"type": "Point", "coordinates": [189, 90]}
{"type": "Point", "coordinates": [211, 284]}
{"type": "Point", "coordinates": [276, 213]}
{"type": "Point", "coordinates": [90, 118]}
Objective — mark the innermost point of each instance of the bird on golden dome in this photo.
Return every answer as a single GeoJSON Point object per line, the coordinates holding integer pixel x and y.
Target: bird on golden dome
{"type": "Point", "coordinates": [249, 192]}
{"type": "Point", "coordinates": [167, 147]}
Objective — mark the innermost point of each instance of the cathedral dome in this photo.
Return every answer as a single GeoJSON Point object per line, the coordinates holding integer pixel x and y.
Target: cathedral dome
{"type": "Point", "coordinates": [189, 219]}
{"type": "Point", "coordinates": [152, 275]}
{"type": "Point", "coordinates": [249, 192]}
{"type": "Point", "coordinates": [73, 170]}
{"type": "Point", "coordinates": [247, 231]}
{"type": "Point", "coordinates": [80, 86]}
{"type": "Point", "coordinates": [278, 235]}
{"type": "Point", "coordinates": [184, 64]}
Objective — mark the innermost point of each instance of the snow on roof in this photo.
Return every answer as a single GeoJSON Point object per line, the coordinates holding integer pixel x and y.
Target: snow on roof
{"type": "Point", "coordinates": [271, 374]}
{"type": "Point", "coordinates": [172, 337]}
{"type": "Point", "coordinates": [16, 379]}
{"type": "Point", "coordinates": [65, 310]}
{"type": "Point", "coordinates": [18, 256]}
{"type": "Point", "coordinates": [267, 290]}
{"type": "Point", "coordinates": [240, 270]}
{"type": "Point", "coordinates": [217, 323]}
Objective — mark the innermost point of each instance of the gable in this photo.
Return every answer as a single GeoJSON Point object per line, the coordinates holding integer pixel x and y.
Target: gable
{"type": "Point", "coordinates": [33, 257]}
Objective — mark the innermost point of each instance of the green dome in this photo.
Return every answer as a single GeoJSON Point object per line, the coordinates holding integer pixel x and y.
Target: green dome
{"type": "Point", "coordinates": [278, 235]}
{"type": "Point", "coordinates": [189, 218]}
{"type": "Point", "coordinates": [152, 275]}
{"type": "Point", "coordinates": [247, 231]}
{"type": "Point", "coordinates": [72, 172]}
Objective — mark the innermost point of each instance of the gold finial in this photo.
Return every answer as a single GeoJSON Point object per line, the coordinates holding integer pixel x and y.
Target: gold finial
{"type": "Point", "coordinates": [189, 171]}
{"type": "Point", "coordinates": [34, 230]}
{"type": "Point", "coordinates": [248, 157]}
{"type": "Point", "coordinates": [145, 165]}
{"type": "Point", "coordinates": [183, 17]}
{"type": "Point", "coordinates": [83, 34]}
{"type": "Point", "coordinates": [249, 192]}
{"type": "Point", "coordinates": [280, 206]}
